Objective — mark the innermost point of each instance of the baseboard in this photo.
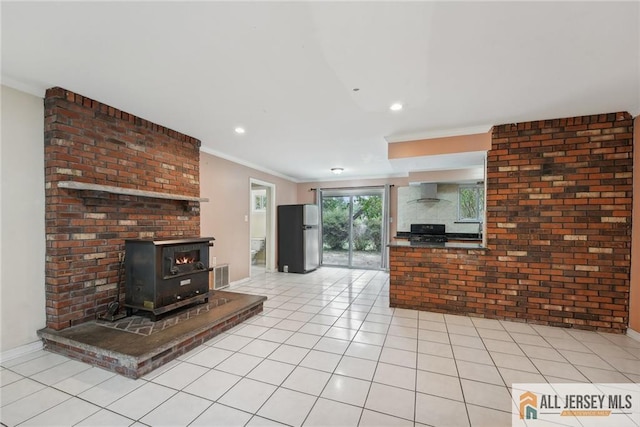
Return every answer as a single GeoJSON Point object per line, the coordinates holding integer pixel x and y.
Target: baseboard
{"type": "Point", "coordinates": [239, 282]}
{"type": "Point", "coordinates": [633, 334]}
{"type": "Point", "coordinates": [13, 353]}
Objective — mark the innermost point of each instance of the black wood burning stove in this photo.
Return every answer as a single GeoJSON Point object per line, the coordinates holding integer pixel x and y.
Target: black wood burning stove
{"type": "Point", "coordinates": [163, 275]}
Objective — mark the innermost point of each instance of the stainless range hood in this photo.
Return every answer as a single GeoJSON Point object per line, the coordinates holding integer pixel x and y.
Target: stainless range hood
{"type": "Point", "coordinates": [428, 192]}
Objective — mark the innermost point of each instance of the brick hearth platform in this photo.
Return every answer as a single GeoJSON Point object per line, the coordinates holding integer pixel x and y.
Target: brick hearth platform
{"type": "Point", "coordinates": [135, 346]}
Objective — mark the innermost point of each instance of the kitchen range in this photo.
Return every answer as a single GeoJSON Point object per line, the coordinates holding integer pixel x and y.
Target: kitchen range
{"type": "Point", "coordinates": [436, 235]}
{"type": "Point", "coordinates": [429, 233]}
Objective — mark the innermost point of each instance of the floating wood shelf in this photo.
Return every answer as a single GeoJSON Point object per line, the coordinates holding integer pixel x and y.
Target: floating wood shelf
{"type": "Point", "coordinates": [75, 185]}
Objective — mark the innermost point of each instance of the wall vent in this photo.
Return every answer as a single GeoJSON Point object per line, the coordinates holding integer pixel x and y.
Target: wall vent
{"type": "Point", "coordinates": [221, 276]}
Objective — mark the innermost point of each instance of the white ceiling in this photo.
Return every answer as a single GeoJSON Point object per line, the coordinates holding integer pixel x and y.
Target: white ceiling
{"type": "Point", "coordinates": [286, 71]}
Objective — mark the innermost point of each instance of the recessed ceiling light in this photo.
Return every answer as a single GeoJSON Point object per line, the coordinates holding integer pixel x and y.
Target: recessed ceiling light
{"type": "Point", "coordinates": [396, 107]}
{"type": "Point", "coordinates": [337, 171]}
{"type": "Point", "coordinates": [239, 130]}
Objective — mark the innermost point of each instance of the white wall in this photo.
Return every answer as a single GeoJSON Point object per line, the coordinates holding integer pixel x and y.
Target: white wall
{"type": "Point", "coordinates": [22, 233]}
{"type": "Point", "coordinates": [228, 187]}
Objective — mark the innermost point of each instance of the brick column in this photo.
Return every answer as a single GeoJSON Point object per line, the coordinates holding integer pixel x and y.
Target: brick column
{"type": "Point", "coordinates": [559, 202]}
{"type": "Point", "coordinates": [91, 142]}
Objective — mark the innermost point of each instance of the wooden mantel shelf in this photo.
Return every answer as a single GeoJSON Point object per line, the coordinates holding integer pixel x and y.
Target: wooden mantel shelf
{"type": "Point", "coordinates": [75, 185]}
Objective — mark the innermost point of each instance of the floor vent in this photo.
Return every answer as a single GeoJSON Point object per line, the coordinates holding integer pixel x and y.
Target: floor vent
{"type": "Point", "coordinates": [221, 276]}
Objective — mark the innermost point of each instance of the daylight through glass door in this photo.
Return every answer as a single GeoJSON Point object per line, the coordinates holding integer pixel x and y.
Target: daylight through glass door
{"type": "Point", "coordinates": [352, 228]}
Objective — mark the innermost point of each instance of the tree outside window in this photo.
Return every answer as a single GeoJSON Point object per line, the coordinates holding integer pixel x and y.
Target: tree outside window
{"type": "Point", "coordinates": [259, 201]}
{"type": "Point", "coordinates": [471, 203]}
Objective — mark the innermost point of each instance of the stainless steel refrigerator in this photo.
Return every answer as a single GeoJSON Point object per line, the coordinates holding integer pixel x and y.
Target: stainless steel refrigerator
{"type": "Point", "coordinates": [298, 238]}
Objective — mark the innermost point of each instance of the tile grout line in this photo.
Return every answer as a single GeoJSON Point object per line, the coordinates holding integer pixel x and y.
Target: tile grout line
{"type": "Point", "coordinates": [277, 387]}
{"type": "Point", "coordinates": [337, 293]}
{"type": "Point", "coordinates": [455, 361]}
{"type": "Point", "coordinates": [333, 373]}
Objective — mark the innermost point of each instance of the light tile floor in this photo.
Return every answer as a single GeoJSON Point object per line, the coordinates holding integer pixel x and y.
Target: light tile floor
{"type": "Point", "coordinates": [326, 351]}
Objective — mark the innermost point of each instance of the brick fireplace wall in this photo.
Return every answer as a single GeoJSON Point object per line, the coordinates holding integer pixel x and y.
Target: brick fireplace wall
{"type": "Point", "coordinates": [558, 225]}
{"type": "Point", "coordinates": [90, 142]}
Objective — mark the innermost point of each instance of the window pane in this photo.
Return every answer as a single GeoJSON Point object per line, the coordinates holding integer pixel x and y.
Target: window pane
{"type": "Point", "coordinates": [259, 202]}
{"type": "Point", "coordinates": [470, 203]}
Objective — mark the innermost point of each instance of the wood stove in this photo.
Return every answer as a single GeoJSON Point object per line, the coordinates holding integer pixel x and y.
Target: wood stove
{"type": "Point", "coordinates": [163, 275]}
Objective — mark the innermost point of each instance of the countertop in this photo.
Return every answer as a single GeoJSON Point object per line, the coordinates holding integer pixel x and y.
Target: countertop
{"type": "Point", "coordinates": [431, 245]}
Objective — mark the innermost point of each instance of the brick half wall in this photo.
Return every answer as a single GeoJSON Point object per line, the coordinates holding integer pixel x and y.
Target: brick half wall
{"type": "Point", "coordinates": [90, 142]}
{"type": "Point", "coordinates": [558, 226]}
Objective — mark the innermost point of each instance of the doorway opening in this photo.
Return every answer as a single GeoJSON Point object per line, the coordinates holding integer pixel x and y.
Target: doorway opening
{"type": "Point", "coordinates": [353, 228]}
{"type": "Point", "coordinates": [262, 227]}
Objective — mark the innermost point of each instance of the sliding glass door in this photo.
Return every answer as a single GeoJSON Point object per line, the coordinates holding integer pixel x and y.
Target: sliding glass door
{"type": "Point", "coordinates": [336, 230]}
{"type": "Point", "coordinates": [352, 227]}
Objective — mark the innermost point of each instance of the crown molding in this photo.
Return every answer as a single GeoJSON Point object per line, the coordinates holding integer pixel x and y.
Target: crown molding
{"type": "Point", "coordinates": [247, 164]}
{"type": "Point", "coordinates": [31, 89]}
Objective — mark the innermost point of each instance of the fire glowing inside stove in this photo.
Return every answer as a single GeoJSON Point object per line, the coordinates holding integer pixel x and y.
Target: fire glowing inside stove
{"type": "Point", "coordinates": [190, 257]}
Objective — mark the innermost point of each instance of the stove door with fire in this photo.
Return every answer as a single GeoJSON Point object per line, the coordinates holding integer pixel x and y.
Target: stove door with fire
{"type": "Point", "coordinates": [182, 260]}
{"type": "Point", "coordinates": [162, 275]}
